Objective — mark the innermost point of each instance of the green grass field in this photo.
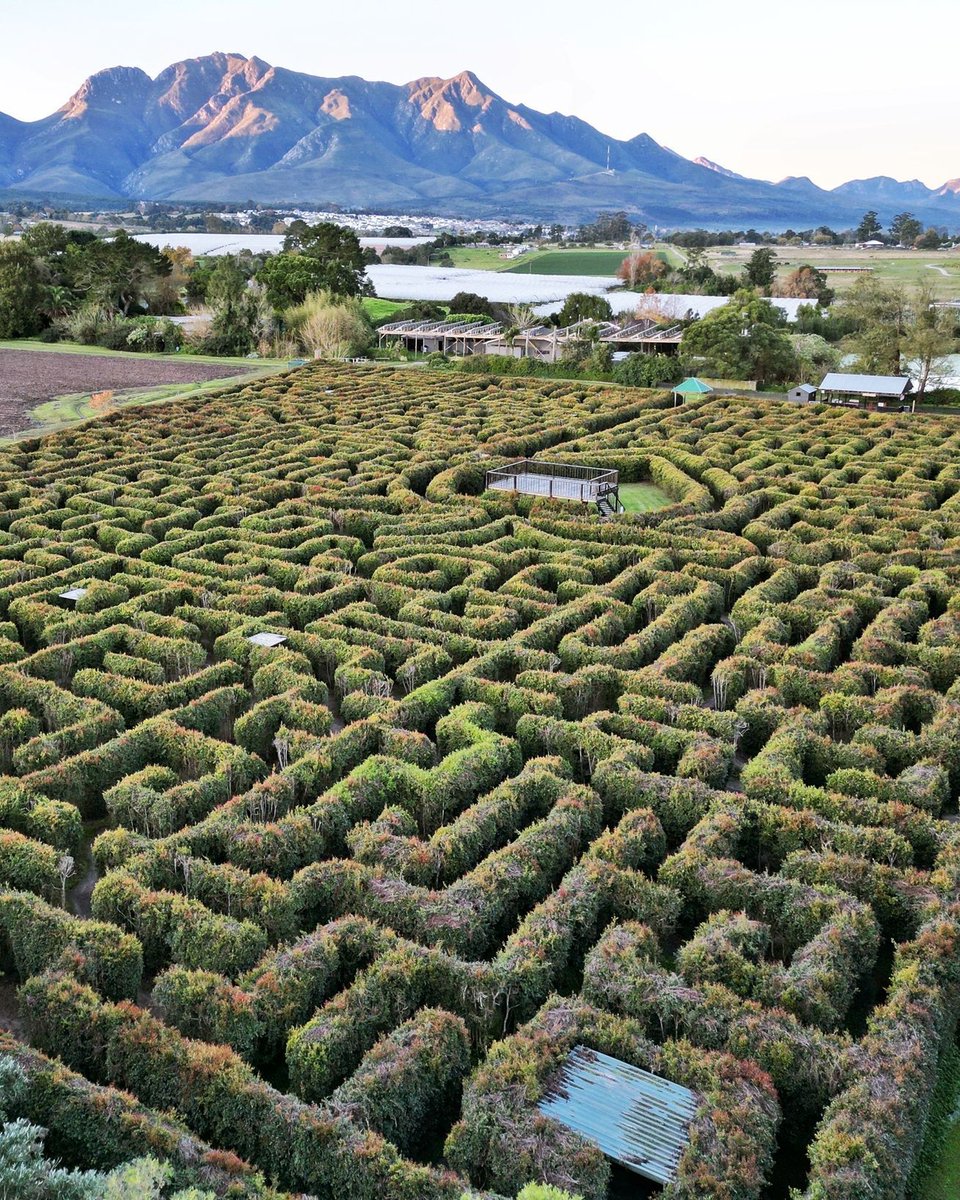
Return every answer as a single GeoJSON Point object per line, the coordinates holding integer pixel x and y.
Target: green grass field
{"type": "Point", "coordinates": [378, 310]}
{"type": "Point", "coordinates": [568, 262]}
{"type": "Point", "coordinates": [643, 497]}
{"type": "Point", "coordinates": [480, 258]}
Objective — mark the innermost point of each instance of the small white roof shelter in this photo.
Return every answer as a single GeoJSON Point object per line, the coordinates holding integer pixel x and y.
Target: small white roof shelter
{"type": "Point", "coordinates": [73, 594]}
{"type": "Point", "coordinates": [266, 639]}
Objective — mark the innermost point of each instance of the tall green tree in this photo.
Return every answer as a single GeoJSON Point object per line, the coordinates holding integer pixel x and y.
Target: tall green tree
{"type": "Point", "coordinates": [46, 240]}
{"type": "Point", "coordinates": [22, 291]}
{"type": "Point", "coordinates": [334, 251]}
{"type": "Point", "coordinates": [582, 306]}
{"type": "Point", "coordinates": [905, 228]}
{"type": "Point", "coordinates": [471, 305]}
{"type": "Point", "coordinates": [235, 309]}
{"type": "Point", "coordinates": [697, 276]}
{"type": "Point", "coordinates": [869, 228]}
{"type": "Point", "coordinates": [930, 239]}
{"type": "Point", "coordinates": [315, 258]}
{"type": "Point", "coordinates": [290, 278]}
{"type": "Point", "coordinates": [931, 336]}
{"type": "Point", "coordinates": [118, 273]}
{"type": "Point", "coordinates": [227, 283]}
{"type": "Point", "coordinates": [760, 270]}
{"type": "Point", "coordinates": [745, 339]}
{"type": "Point", "coordinates": [880, 314]}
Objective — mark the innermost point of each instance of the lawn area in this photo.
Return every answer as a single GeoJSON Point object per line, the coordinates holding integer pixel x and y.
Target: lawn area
{"type": "Point", "coordinates": [568, 262]}
{"type": "Point", "coordinates": [643, 497]}
{"type": "Point", "coordinates": [671, 255]}
{"type": "Point", "coordinates": [378, 310]}
{"type": "Point", "coordinates": [483, 258]}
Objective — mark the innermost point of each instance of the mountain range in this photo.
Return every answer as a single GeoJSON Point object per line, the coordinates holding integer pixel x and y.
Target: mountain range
{"type": "Point", "coordinates": [226, 128]}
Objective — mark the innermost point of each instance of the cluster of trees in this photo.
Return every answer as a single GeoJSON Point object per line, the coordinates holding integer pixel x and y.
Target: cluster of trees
{"type": "Point", "coordinates": [115, 292]}
{"type": "Point", "coordinates": [50, 272]}
{"type": "Point", "coordinates": [887, 329]}
{"type": "Point", "coordinates": [324, 257]}
{"type": "Point", "coordinates": [895, 327]}
{"type": "Point", "coordinates": [744, 339]}
{"type": "Point", "coordinates": [646, 270]}
{"type": "Point", "coordinates": [703, 239]}
{"type": "Point", "coordinates": [905, 230]}
{"type": "Point", "coordinates": [610, 227]}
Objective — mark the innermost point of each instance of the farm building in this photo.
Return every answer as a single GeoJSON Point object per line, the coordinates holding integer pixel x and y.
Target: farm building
{"type": "Point", "coordinates": [804, 393]}
{"type": "Point", "coordinates": [543, 343]}
{"type": "Point", "coordinates": [866, 391]}
{"type": "Point", "coordinates": [460, 338]}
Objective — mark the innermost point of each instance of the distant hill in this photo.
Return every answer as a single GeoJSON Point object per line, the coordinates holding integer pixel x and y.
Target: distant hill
{"type": "Point", "coordinates": [229, 128]}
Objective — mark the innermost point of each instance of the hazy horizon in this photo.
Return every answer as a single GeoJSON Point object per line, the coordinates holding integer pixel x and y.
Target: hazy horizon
{"type": "Point", "coordinates": [833, 100]}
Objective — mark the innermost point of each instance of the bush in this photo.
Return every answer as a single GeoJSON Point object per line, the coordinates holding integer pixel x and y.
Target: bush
{"type": "Point", "coordinates": [410, 1080]}
{"type": "Point", "coordinates": [647, 370]}
{"type": "Point", "coordinates": [328, 326]}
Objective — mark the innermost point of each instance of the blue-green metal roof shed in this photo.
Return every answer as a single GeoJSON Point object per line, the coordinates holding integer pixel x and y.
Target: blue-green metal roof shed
{"type": "Point", "coordinates": [636, 1118]}
{"type": "Point", "coordinates": [691, 386]}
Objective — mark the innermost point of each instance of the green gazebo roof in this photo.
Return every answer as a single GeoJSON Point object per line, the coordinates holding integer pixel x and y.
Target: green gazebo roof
{"type": "Point", "coordinates": [692, 387]}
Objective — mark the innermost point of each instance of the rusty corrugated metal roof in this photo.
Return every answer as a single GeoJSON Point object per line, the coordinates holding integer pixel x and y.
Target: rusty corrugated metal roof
{"type": "Point", "coordinates": [636, 1118]}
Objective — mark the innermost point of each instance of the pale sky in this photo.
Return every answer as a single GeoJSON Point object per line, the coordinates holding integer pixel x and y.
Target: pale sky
{"type": "Point", "coordinates": [833, 89]}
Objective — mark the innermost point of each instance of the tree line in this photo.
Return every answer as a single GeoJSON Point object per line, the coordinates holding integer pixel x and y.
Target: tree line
{"type": "Point", "coordinates": [120, 293]}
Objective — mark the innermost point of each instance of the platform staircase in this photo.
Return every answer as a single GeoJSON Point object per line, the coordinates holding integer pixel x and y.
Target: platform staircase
{"type": "Point", "coordinates": [608, 502]}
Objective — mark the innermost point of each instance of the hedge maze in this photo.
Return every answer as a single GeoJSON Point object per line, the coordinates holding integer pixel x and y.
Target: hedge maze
{"type": "Point", "coordinates": [678, 786]}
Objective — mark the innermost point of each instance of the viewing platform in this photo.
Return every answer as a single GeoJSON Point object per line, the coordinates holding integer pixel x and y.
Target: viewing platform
{"type": "Point", "coordinates": [559, 481]}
